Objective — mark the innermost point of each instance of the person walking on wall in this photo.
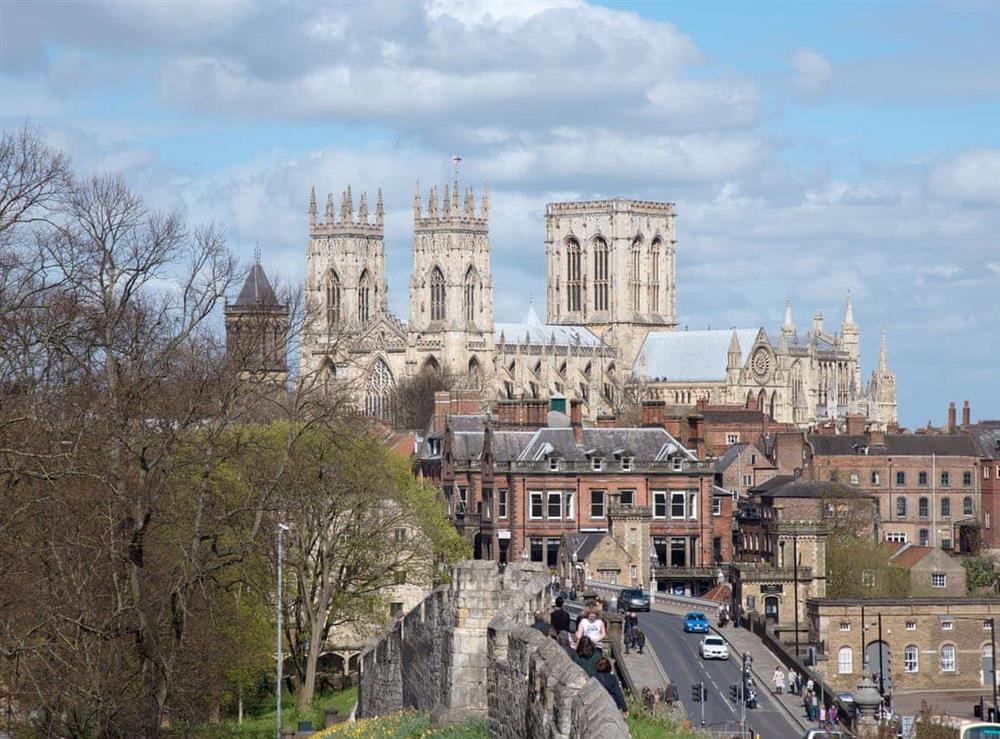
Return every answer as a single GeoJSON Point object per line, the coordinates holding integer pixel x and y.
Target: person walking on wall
{"type": "Point", "coordinates": [605, 677]}
{"type": "Point", "coordinates": [591, 627]}
{"type": "Point", "coordinates": [559, 618]}
{"type": "Point", "coordinates": [586, 656]}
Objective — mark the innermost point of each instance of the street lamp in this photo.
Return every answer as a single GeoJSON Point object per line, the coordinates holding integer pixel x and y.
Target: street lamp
{"type": "Point", "coordinates": [282, 528]}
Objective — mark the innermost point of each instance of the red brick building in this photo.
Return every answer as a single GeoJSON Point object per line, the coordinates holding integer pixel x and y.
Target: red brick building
{"type": "Point", "coordinates": [986, 436]}
{"type": "Point", "coordinates": [516, 492]}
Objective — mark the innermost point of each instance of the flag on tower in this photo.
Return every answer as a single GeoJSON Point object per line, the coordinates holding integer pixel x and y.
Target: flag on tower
{"type": "Point", "coordinates": [456, 158]}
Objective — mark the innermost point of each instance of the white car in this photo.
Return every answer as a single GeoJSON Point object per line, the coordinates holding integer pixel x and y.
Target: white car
{"type": "Point", "coordinates": [713, 647]}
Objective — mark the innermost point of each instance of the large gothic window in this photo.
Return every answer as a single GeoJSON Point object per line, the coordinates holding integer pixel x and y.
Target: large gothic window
{"type": "Point", "coordinates": [469, 294]}
{"type": "Point", "coordinates": [654, 276]}
{"type": "Point", "coordinates": [332, 299]}
{"type": "Point", "coordinates": [364, 298]}
{"type": "Point", "coordinates": [437, 295]}
{"type": "Point", "coordinates": [574, 275]}
{"type": "Point", "coordinates": [600, 274]}
{"type": "Point", "coordinates": [635, 273]}
{"type": "Point", "coordinates": [378, 394]}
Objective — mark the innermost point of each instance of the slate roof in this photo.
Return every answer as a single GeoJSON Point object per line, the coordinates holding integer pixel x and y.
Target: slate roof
{"type": "Point", "coordinates": [798, 488]}
{"type": "Point", "coordinates": [775, 482]}
{"type": "Point", "coordinates": [467, 423]}
{"type": "Point", "coordinates": [584, 544]}
{"type": "Point", "coordinates": [729, 456]}
{"type": "Point", "coordinates": [256, 290]}
{"type": "Point", "coordinates": [533, 331]}
{"type": "Point", "coordinates": [690, 355]}
{"type": "Point", "coordinates": [732, 415]}
{"type": "Point", "coordinates": [986, 436]}
{"type": "Point", "coordinates": [954, 445]}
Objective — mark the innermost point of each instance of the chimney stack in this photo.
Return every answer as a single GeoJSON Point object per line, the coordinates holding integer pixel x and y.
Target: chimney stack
{"type": "Point", "coordinates": [966, 414]}
{"type": "Point", "coordinates": [576, 420]}
{"type": "Point", "coordinates": [951, 416]}
{"type": "Point", "coordinates": [442, 405]}
{"type": "Point", "coordinates": [653, 412]}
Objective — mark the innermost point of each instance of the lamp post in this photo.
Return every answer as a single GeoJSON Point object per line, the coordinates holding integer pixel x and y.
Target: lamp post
{"type": "Point", "coordinates": [993, 664]}
{"type": "Point", "coordinates": [282, 528]}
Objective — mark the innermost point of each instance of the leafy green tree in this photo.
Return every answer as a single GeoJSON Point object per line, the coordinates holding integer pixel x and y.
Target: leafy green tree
{"type": "Point", "coordinates": [857, 567]}
{"type": "Point", "coordinates": [980, 574]}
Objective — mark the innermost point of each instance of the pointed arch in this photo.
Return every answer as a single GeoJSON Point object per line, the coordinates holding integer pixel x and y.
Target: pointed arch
{"type": "Point", "coordinates": [750, 399]}
{"type": "Point", "coordinates": [635, 274]}
{"type": "Point", "coordinates": [761, 400]}
{"type": "Point", "coordinates": [574, 275]}
{"type": "Point", "coordinates": [332, 298]}
{"type": "Point", "coordinates": [602, 278]}
{"type": "Point", "coordinates": [475, 372]}
{"type": "Point", "coordinates": [654, 275]}
{"type": "Point", "coordinates": [437, 294]}
{"type": "Point", "coordinates": [772, 405]}
{"type": "Point", "coordinates": [378, 392]}
{"type": "Point", "coordinates": [364, 297]}
{"type": "Point", "coordinates": [472, 284]}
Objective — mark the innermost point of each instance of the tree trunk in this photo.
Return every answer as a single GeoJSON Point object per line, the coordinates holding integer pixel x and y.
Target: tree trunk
{"type": "Point", "coordinates": [308, 687]}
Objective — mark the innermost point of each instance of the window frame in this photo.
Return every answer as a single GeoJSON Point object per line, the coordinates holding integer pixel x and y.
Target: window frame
{"type": "Point", "coordinates": [900, 477]}
{"type": "Point", "coordinates": [674, 494]}
{"type": "Point", "coordinates": [660, 501]}
{"type": "Point", "coordinates": [900, 507]}
{"type": "Point", "coordinates": [911, 659]}
{"type": "Point", "coordinates": [716, 506]}
{"type": "Point", "coordinates": [531, 505]}
{"type": "Point", "coordinates": [948, 664]}
{"type": "Point", "coordinates": [922, 478]}
{"type": "Point", "coordinates": [597, 464]}
{"type": "Point", "coordinates": [945, 507]}
{"type": "Point", "coordinates": [603, 503]}
{"type": "Point", "coordinates": [502, 503]}
{"type": "Point", "coordinates": [845, 660]}
{"type": "Point", "coordinates": [939, 579]}
{"type": "Point", "coordinates": [551, 495]}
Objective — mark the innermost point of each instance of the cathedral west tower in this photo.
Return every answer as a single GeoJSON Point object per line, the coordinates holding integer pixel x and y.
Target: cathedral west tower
{"type": "Point", "coordinates": [451, 287]}
{"type": "Point", "coordinates": [610, 266]}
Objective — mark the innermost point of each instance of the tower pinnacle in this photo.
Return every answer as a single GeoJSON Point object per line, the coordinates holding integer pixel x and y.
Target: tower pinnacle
{"type": "Point", "coordinates": [312, 206]}
{"type": "Point", "coordinates": [849, 311]}
{"type": "Point", "coordinates": [379, 209]}
{"type": "Point", "coordinates": [788, 326]}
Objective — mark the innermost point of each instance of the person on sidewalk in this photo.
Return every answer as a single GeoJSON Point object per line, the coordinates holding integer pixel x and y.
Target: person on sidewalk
{"type": "Point", "coordinates": [559, 618]}
{"type": "Point", "coordinates": [822, 718]}
{"type": "Point", "coordinates": [638, 639]}
{"type": "Point", "coordinates": [791, 680]}
{"type": "Point", "coordinates": [833, 715]}
{"type": "Point", "coordinates": [814, 702]}
{"type": "Point", "coordinates": [778, 680]}
{"type": "Point", "coordinates": [611, 684]}
{"type": "Point", "coordinates": [798, 683]}
{"type": "Point", "coordinates": [807, 704]}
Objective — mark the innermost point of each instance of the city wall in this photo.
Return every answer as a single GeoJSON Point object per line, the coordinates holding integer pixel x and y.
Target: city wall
{"type": "Point", "coordinates": [468, 651]}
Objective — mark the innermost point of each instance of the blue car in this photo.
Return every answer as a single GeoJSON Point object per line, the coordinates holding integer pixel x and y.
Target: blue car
{"type": "Point", "coordinates": [696, 623]}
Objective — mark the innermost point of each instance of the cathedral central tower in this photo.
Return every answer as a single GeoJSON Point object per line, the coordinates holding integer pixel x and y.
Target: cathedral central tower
{"type": "Point", "coordinates": [610, 267]}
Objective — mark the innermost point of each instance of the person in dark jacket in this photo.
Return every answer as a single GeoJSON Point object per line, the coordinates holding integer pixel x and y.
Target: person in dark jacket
{"type": "Point", "coordinates": [587, 656]}
{"type": "Point", "coordinates": [540, 623]}
{"type": "Point", "coordinates": [559, 617]}
{"type": "Point", "coordinates": [638, 639]}
{"type": "Point", "coordinates": [611, 684]}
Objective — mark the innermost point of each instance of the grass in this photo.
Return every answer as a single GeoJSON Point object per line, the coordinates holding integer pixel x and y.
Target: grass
{"type": "Point", "coordinates": [656, 724]}
{"type": "Point", "coordinates": [262, 724]}
{"type": "Point", "coordinates": [402, 725]}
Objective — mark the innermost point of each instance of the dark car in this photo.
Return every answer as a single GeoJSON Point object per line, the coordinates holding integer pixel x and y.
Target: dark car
{"type": "Point", "coordinates": [633, 600]}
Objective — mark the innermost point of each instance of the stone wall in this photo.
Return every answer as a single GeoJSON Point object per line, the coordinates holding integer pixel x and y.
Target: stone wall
{"type": "Point", "coordinates": [468, 651]}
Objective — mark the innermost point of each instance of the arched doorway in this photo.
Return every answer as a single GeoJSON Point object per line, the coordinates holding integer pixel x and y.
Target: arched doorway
{"type": "Point", "coordinates": [771, 612]}
{"type": "Point", "coordinates": [877, 659]}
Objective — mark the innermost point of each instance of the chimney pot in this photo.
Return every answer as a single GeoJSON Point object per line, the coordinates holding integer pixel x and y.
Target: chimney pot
{"type": "Point", "coordinates": [951, 416]}
{"type": "Point", "coordinates": [966, 414]}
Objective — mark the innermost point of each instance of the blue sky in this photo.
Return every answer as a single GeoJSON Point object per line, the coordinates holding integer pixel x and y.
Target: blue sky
{"type": "Point", "coordinates": [811, 148]}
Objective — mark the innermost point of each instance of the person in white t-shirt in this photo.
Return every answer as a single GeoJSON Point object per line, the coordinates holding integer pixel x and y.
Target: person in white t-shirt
{"type": "Point", "coordinates": [592, 627]}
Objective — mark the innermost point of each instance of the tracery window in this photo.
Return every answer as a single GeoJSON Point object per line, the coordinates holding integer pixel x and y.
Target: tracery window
{"type": "Point", "coordinates": [437, 295]}
{"type": "Point", "coordinates": [332, 299]}
{"type": "Point", "coordinates": [635, 273]}
{"type": "Point", "coordinates": [364, 298]}
{"type": "Point", "coordinates": [378, 394]}
{"type": "Point", "coordinates": [574, 275]}
{"type": "Point", "coordinates": [600, 274]}
{"type": "Point", "coordinates": [469, 295]}
{"type": "Point", "coordinates": [654, 276]}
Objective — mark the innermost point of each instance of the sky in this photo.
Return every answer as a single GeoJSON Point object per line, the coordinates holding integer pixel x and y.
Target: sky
{"type": "Point", "coordinates": [811, 148]}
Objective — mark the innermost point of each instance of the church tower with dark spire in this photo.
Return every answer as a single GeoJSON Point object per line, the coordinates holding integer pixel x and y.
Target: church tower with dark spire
{"type": "Point", "coordinates": [257, 329]}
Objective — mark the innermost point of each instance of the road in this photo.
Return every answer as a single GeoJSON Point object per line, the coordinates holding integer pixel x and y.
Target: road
{"type": "Point", "coordinates": [678, 653]}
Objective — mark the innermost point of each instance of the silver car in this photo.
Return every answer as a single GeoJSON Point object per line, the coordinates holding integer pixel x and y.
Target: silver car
{"type": "Point", "coordinates": [713, 647]}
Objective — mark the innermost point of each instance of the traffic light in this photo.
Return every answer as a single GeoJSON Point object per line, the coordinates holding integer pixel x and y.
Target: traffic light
{"type": "Point", "coordinates": [696, 693]}
{"type": "Point", "coordinates": [704, 693]}
{"type": "Point", "coordinates": [734, 692]}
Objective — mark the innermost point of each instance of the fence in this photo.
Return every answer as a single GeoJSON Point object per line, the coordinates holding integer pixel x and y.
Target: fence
{"type": "Point", "coordinates": [605, 588]}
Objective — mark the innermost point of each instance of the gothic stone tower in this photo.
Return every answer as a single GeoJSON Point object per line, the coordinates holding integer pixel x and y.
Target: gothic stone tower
{"type": "Point", "coordinates": [451, 288]}
{"type": "Point", "coordinates": [610, 267]}
{"type": "Point", "coordinates": [257, 330]}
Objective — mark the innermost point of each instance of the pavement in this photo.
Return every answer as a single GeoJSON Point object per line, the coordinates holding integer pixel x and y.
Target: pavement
{"type": "Point", "coordinates": [678, 653]}
{"type": "Point", "coordinates": [645, 670]}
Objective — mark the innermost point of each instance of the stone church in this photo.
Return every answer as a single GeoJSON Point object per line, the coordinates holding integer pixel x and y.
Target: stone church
{"type": "Point", "coordinates": [610, 333]}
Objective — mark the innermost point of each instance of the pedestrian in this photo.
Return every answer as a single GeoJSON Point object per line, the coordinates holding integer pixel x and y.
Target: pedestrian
{"type": "Point", "coordinates": [586, 656]}
{"type": "Point", "coordinates": [631, 621]}
{"type": "Point", "coordinates": [778, 680]}
{"type": "Point", "coordinates": [559, 618]}
{"type": "Point", "coordinates": [822, 717]}
{"type": "Point", "coordinates": [807, 704]}
{"type": "Point", "coordinates": [798, 683]}
{"type": "Point", "coordinates": [611, 684]}
{"type": "Point", "coordinates": [834, 716]}
{"type": "Point", "coordinates": [791, 680]}
{"type": "Point", "coordinates": [540, 623]}
{"type": "Point", "coordinates": [751, 697]}
{"type": "Point", "coordinates": [638, 639]}
{"type": "Point", "coordinates": [810, 687]}
{"type": "Point", "coordinates": [591, 627]}
{"type": "Point", "coordinates": [814, 702]}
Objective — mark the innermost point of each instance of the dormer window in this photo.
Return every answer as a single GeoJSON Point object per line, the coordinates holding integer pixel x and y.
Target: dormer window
{"type": "Point", "coordinates": [553, 464]}
{"type": "Point", "coordinates": [627, 464]}
{"type": "Point", "coordinates": [435, 446]}
{"type": "Point", "coordinates": [597, 464]}
{"type": "Point", "coordinates": [678, 464]}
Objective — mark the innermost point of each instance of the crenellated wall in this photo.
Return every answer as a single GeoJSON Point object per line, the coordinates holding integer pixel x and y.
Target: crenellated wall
{"type": "Point", "coordinates": [468, 651]}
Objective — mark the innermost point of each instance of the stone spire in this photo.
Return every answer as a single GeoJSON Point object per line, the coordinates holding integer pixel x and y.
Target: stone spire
{"type": "Point", "coordinates": [446, 204]}
{"type": "Point", "coordinates": [329, 209]}
{"type": "Point", "coordinates": [470, 204]}
{"type": "Point", "coordinates": [363, 209]}
{"type": "Point", "coordinates": [788, 326]}
{"type": "Point", "coordinates": [312, 206]}
{"type": "Point", "coordinates": [380, 209]}
{"type": "Point", "coordinates": [454, 197]}
{"type": "Point", "coordinates": [416, 202]}
{"type": "Point", "coordinates": [347, 207]}
{"type": "Point", "coordinates": [484, 207]}
{"type": "Point", "coordinates": [883, 355]}
{"type": "Point", "coordinates": [432, 203]}
{"type": "Point", "coordinates": [734, 358]}
{"type": "Point", "coordinates": [849, 312]}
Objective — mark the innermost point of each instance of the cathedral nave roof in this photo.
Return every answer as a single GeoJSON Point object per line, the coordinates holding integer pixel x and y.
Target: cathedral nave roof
{"type": "Point", "coordinates": [688, 356]}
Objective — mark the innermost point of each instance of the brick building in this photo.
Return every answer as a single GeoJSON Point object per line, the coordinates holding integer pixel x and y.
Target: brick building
{"type": "Point", "coordinates": [516, 493]}
{"type": "Point", "coordinates": [939, 644]}
{"type": "Point", "coordinates": [986, 436]}
{"type": "Point", "coordinates": [742, 466]}
{"type": "Point", "coordinates": [933, 572]}
{"type": "Point", "coordinates": [927, 485]}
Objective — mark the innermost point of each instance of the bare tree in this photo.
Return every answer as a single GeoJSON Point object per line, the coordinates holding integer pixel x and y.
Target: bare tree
{"type": "Point", "coordinates": [413, 398]}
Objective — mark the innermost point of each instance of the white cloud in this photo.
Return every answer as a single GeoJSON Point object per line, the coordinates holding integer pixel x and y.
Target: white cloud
{"type": "Point", "coordinates": [973, 177]}
{"type": "Point", "coordinates": [812, 74]}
